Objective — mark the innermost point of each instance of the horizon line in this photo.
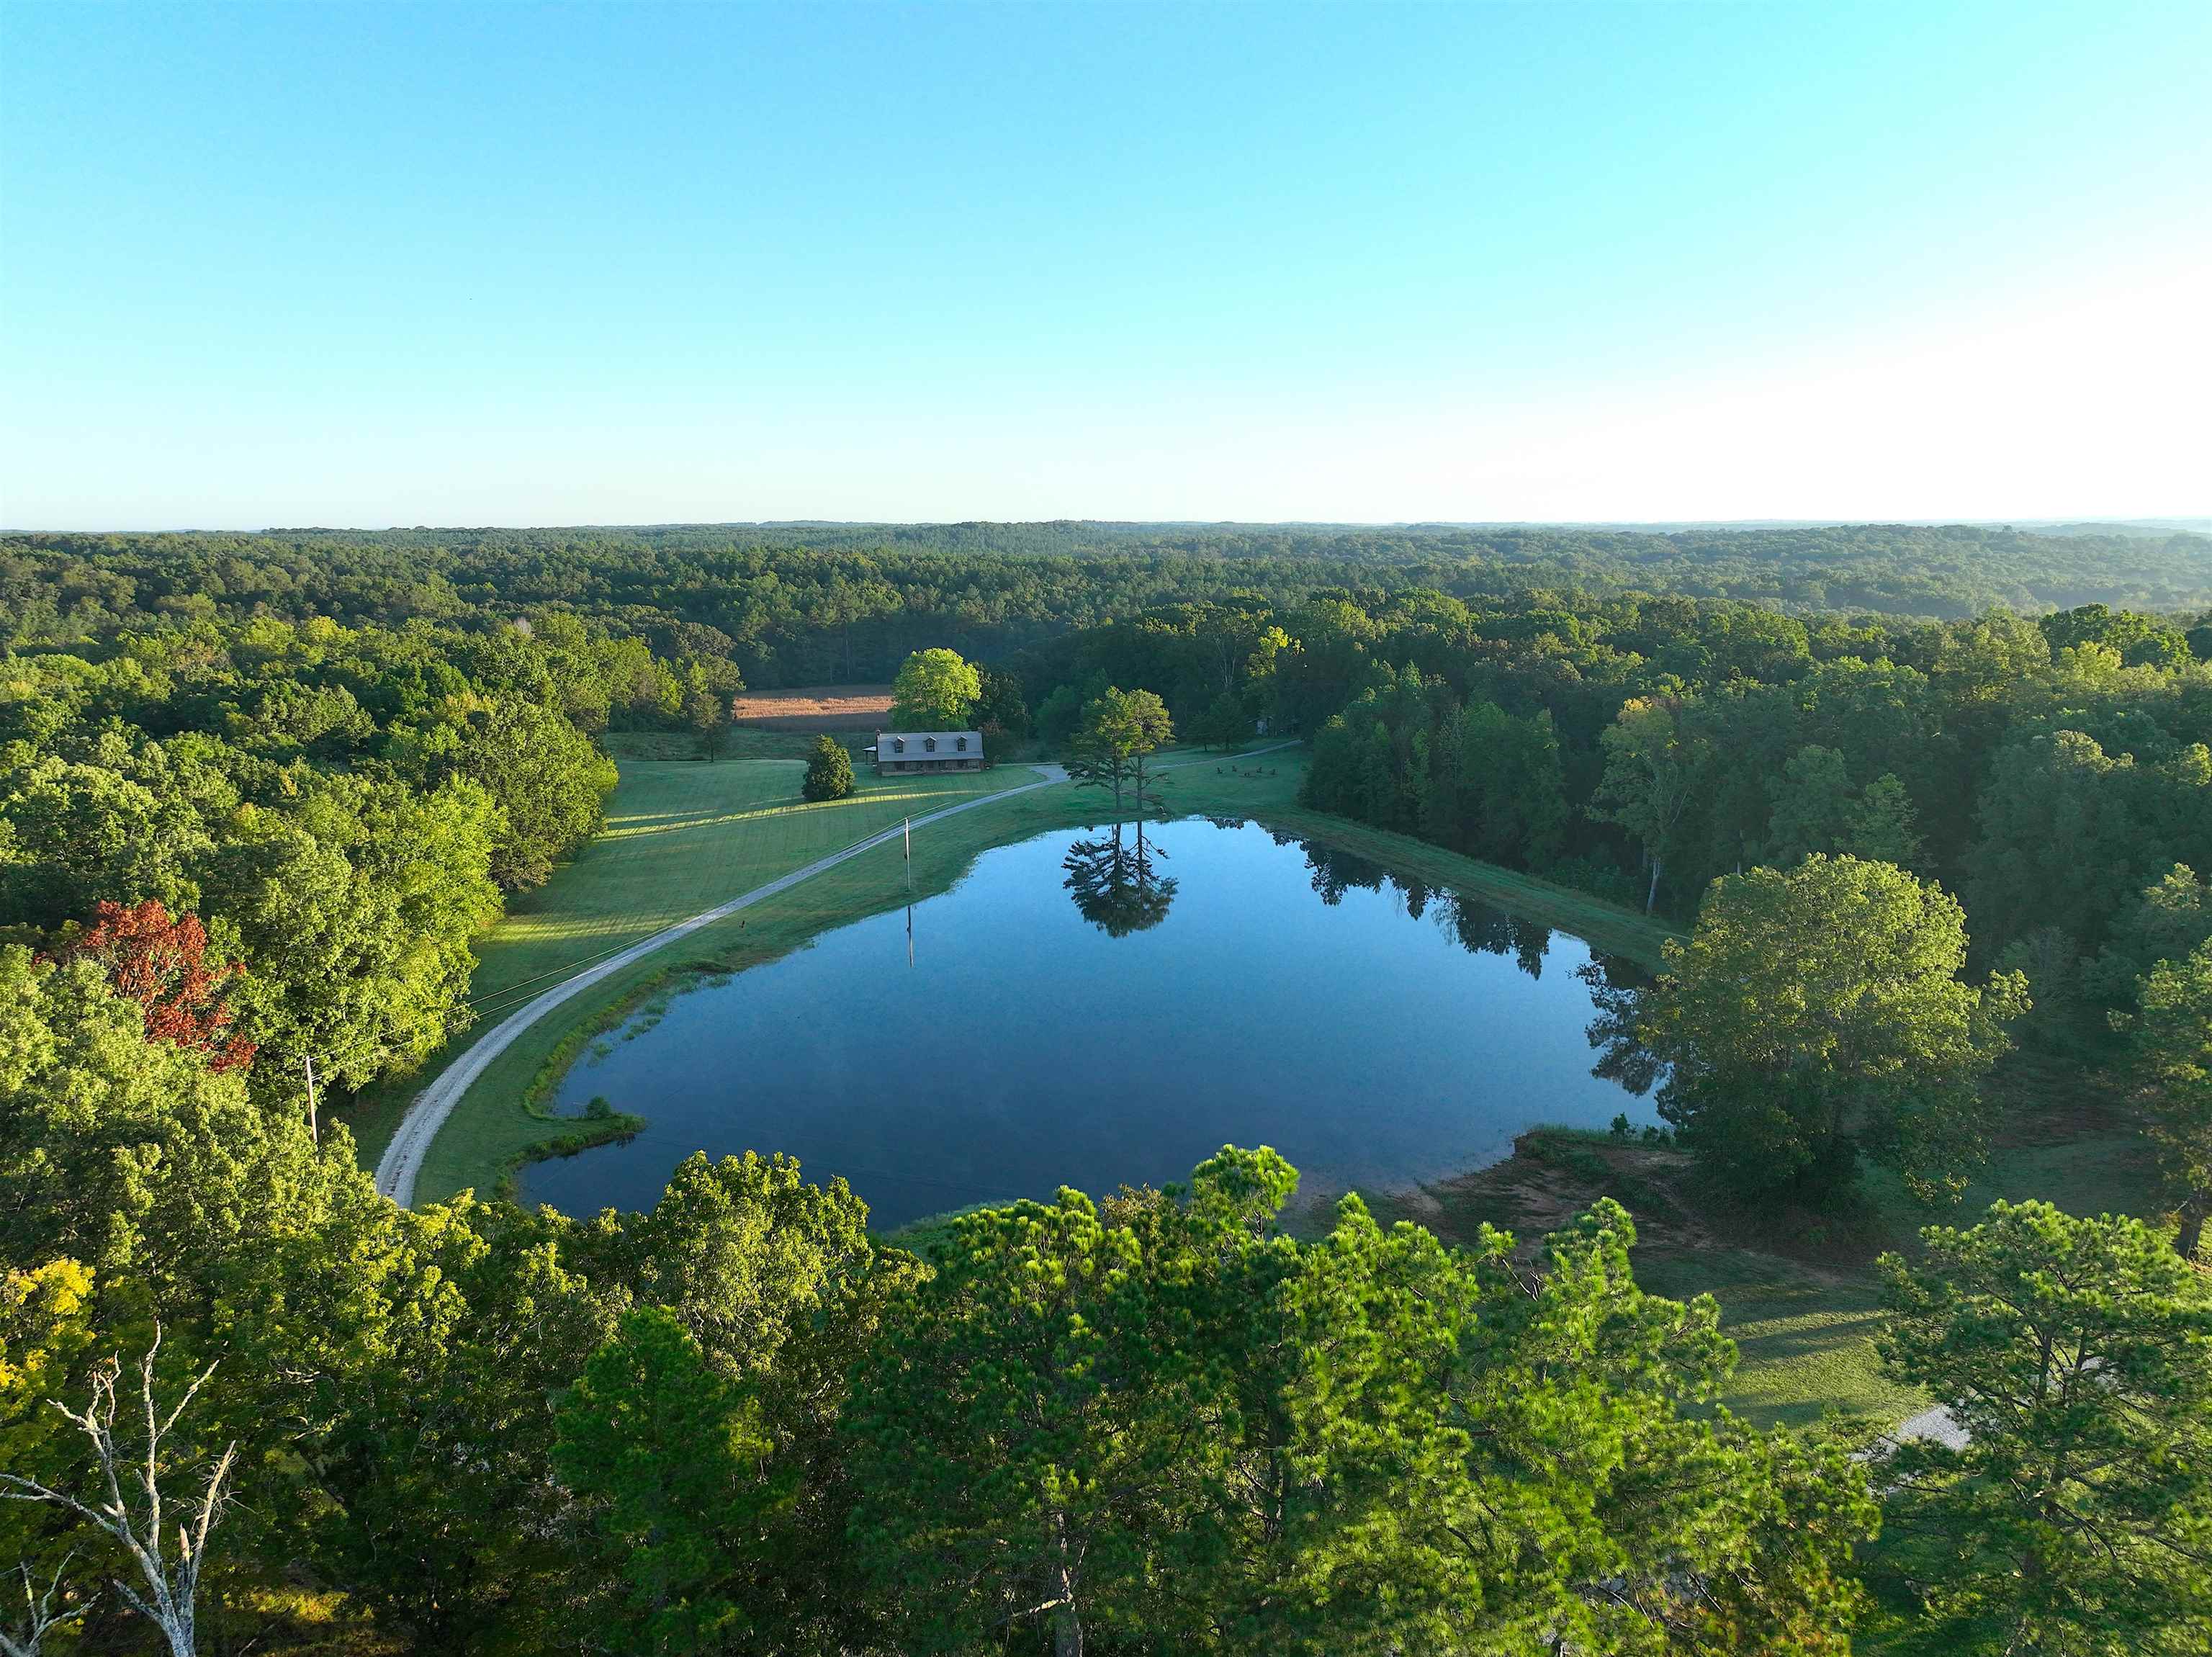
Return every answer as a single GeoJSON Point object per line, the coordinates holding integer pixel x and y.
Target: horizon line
{"type": "Point", "coordinates": [2184, 523]}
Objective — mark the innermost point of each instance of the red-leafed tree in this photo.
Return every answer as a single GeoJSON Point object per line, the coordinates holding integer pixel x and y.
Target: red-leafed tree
{"type": "Point", "coordinates": [159, 960]}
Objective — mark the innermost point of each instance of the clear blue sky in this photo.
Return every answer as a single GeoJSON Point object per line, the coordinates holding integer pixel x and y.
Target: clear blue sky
{"type": "Point", "coordinates": [405, 264]}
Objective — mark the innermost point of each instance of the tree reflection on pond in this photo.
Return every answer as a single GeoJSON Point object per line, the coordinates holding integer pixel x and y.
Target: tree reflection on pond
{"type": "Point", "coordinates": [1616, 991]}
{"type": "Point", "coordinates": [1115, 884]}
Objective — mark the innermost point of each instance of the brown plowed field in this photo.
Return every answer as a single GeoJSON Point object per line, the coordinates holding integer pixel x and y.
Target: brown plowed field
{"type": "Point", "coordinates": [816, 708]}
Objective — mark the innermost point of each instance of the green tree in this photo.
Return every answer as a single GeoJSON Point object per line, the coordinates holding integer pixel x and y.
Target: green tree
{"type": "Point", "coordinates": [2076, 1356]}
{"type": "Point", "coordinates": [1000, 704]}
{"type": "Point", "coordinates": [431, 1432]}
{"type": "Point", "coordinates": [1815, 808]}
{"type": "Point", "coordinates": [708, 717]}
{"type": "Point", "coordinates": [667, 1455]}
{"type": "Point", "coordinates": [1497, 788]}
{"type": "Point", "coordinates": [549, 781]}
{"type": "Point", "coordinates": [2165, 923]}
{"type": "Point", "coordinates": [1008, 1462]}
{"type": "Point", "coordinates": [1819, 1012]}
{"type": "Point", "coordinates": [1811, 798]}
{"type": "Point", "coordinates": [2173, 1040]}
{"type": "Point", "coordinates": [828, 770]}
{"type": "Point", "coordinates": [2138, 640]}
{"type": "Point", "coordinates": [372, 1378]}
{"type": "Point", "coordinates": [2061, 844]}
{"type": "Point", "coordinates": [935, 691]}
{"type": "Point", "coordinates": [777, 1281]}
{"type": "Point", "coordinates": [1059, 715]}
{"type": "Point", "coordinates": [1652, 766]}
{"type": "Point", "coordinates": [1881, 825]}
{"type": "Point", "coordinates": [356, 937]}
{"type": "Point", "coordinates": [1224, 724]}
{"type": "Point", "coordinates": [1119, 730]}
{"type": "Point", "coordinates": [82, 833]}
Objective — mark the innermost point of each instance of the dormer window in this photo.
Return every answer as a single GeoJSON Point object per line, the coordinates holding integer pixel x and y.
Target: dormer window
{"type": "Point", "coordinates": [929, 743]}
{"type": "Point", "coordinates": [898, 744]}
{"type": "Point", "coordinates": [961, 743]}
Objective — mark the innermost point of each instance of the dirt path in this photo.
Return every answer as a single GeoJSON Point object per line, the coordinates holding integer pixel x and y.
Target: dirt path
{"type": "Point", "coordinates": [402, 1162]}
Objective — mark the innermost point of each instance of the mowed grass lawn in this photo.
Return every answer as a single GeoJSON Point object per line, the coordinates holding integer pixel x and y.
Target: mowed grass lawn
{"type": "Point", "coordinates": [1806, 1329]}
{"type": "Point", "coordinates": [684, 836]}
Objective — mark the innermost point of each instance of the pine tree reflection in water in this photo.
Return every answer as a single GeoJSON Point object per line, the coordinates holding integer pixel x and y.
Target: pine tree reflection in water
{"type": "Point", "coordinates": [1115, 884]}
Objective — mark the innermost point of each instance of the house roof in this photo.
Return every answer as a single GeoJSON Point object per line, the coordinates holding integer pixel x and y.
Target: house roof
{"type": "Point", "coordinates": [917, 743]}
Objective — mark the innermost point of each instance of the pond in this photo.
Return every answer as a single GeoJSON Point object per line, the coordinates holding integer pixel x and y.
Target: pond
{"type": "Point", "coordinates": [1096, 1008]}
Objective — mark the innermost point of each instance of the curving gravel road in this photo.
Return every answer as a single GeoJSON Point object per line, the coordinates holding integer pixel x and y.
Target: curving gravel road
{"type": "Point", "coordinates": [402, 1161]}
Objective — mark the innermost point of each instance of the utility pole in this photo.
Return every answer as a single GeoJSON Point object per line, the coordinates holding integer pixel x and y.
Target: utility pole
{"type": "Point", "coordinates": [908, 840]}
{"type": "Point", "coordinates": [314, 1123]}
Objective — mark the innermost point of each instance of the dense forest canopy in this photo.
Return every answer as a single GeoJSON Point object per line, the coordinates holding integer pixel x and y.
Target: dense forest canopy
{"type": "Point", "coordinates": [817, 604]}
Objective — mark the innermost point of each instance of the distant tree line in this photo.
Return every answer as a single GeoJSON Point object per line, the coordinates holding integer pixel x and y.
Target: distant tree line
{"type": "Point", "coordinates": [803, 605]}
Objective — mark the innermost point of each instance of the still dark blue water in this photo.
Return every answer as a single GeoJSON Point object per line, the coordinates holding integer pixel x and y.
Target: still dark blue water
{"type": "Point", "coordinates": [1079, 1017]}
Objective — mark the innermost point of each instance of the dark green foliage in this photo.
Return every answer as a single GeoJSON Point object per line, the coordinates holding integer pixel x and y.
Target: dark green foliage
{"type": "Point", "coordinates": [2076, 1355]}
{"type": "Point", "coordinates": [1000, 711]}
{"type": "Point", "coordinates": [822, 604]}
{"type": "Point", "coordinates": [2173, 1040]}
{"type": "Point", "coordinates": [664, 1451]}
{"type": "Point", "coordinates": [828, 770]}
{"type": "Point", "coordinates": [1224, 724]}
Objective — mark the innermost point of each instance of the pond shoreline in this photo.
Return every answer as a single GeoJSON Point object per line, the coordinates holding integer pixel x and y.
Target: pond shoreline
{"type": "Point", "coordinates": [490, 1139]}
{"type": "Point", "coordinates": [1407, 1109]}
